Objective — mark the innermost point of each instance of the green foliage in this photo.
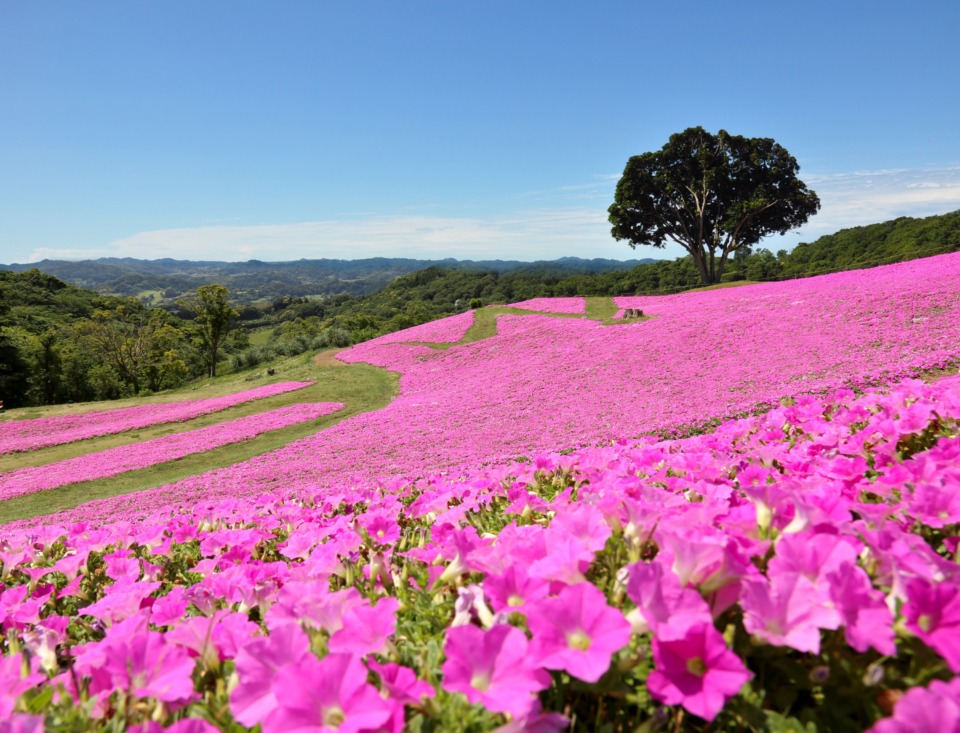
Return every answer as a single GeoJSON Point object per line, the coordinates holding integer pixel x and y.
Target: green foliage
{"type": "Point", "coordinates": [13, 372]}
{"type": "Point", "coordinates": [213, 316]}
{"type": "Point", "coordinates": [877, 244]}
{"type": "Point", "coordinates": [59, 343]}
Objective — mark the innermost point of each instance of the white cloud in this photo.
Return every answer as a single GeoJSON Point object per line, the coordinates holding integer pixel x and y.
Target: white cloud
{"type": "Point", "coordinates": [54, 253]}
{"type": "Point", "coordinates": [571, 222]}
{"type": "Point", "coordinates": [600, 188]}
{"type": "Point", "coordinates": [867, 197]}
{"type": "Point", "coordinates": [525, 235]}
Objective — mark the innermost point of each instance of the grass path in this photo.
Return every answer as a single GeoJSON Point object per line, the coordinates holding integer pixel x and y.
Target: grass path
{"type": "Point", "coordinates": [601, 309]}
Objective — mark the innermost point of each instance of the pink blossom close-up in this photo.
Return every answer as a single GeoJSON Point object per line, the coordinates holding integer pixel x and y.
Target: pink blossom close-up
{"type": "Point", "coordinates": [577, 631]}
{"type": "Point", "coordinates": [696, 671]}
{"type": "Point", "coordinates": [492, 668]}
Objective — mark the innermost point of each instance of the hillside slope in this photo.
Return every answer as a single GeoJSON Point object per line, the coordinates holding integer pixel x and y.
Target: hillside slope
{"type": "Point", "coordinates": [543, 383]}
{"type": "Point", "coordinates": [887, 242]}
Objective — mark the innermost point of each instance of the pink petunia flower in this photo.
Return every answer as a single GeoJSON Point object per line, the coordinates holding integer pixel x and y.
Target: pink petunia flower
{"type": "Point", "coordinates": [932, 710]}
{"type": "Point", "coordinates": [138, 661]}
{"type": "Point", "coordinates": [366, 629]}
{"type": "Point", "coordinates": [866, 618]}
{"type": "Point", "coordinates": [120, 601]}
{"type": "Point", "coordinates": [577, 631]}
{"type": "Point", "coordinates": [22, 723]}
{"type": "Point", "coordinates": [535, 721]}
{"type": "Point", "coordinates": [213, 638]}
{"type": "Point", "coordinates": [713, 563]}
{"type": "Point", "coordinates": [584, 522]}
{"type": "Point", "coordinates": [400, 685]}
{"type": "Point", "coordinates": [786, 612]}
{"type": "Point", "coordinates": [325, 695]}
{"type": "Point", "coordinates": [492, 668]}
{"type": "Point", "coordinates": [513, 589]}
{"type": "Point", "coordinates": [13, 682]}
{"type": "Point", "coordinates": [666, 606]}
{"type": "Point", "coordinates": [257, 664]}
{"type": "Point", "coordinates": [566, 560]}
{"type": "Point", "coordinates": [381, 527]}
{"type": "Point", "coordinates": [18, 609]}
{"type": "Point", "coordinates": [696, 671]}
{"type": "Point", "coordinates": [932, 613]}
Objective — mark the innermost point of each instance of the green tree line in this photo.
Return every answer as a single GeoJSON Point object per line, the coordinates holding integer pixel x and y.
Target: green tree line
{"type": "Point", "coordinates": [59, 343]}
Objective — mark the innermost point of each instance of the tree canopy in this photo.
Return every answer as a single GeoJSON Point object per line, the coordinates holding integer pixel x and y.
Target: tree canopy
{"type": "Point", "coordinates": [213, 316]}
{"type": "Point", "coordinates": [712, 194]}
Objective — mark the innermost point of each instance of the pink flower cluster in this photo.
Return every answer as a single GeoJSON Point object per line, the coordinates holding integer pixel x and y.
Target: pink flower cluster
{"type": "Point", "coordinates": [406, 345]}
{"type": "Point", "coordinates": [553, 305]}
{"type": "Point", "coordinates": [26, 435]}
{"type": "Point", "coordinates": [443, 331]}
{"type": "Point", "coordinates": [547, 383]}
{"type": "Point", "coordinates": [123, 458]}
{"type": "Point", "coordinates": [831, 518]}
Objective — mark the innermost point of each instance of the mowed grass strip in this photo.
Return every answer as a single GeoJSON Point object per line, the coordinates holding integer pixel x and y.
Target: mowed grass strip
{"type": "Point", "coordinates": [361, 387]}
{"type": "Point", "coordinates": [225, 384]}
{"type": "Point", "coordinates": [54, 453]}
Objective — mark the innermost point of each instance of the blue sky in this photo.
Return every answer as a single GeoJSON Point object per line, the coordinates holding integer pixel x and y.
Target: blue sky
{"type": "Point", "coordinates": [280, 130]}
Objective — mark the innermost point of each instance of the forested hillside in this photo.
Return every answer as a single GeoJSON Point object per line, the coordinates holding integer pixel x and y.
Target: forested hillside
{"type": "Point", "coordinates": [890, 241]}
{"type": "Point", "coordinates": [60, 343]}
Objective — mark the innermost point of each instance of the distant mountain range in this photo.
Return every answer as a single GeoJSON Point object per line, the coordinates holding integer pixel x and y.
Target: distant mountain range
{"type": "Point", "coordinates": [162, 281]}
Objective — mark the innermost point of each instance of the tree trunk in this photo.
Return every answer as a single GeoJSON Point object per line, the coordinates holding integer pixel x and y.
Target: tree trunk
{"type": "Point", "coordinates": [697, 254]}
{"type": "Point", "coordinates": [721, 266]}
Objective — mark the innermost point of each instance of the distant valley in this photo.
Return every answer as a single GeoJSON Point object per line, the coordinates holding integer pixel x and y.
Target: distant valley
{"type": "Point", "coordinates": [162, 282]}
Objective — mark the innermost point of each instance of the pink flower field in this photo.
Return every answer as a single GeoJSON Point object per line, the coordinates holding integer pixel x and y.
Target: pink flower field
{"type": "Point", "coordinates": [444, 331]}
{"type": "Point", "coordinates": [799, 564]}
{"type": "Point", "coordinates": [25, 435]}
{"type": "Point", "coordinates": [123, 458]}
{"type": "Point", "coordinates": [524, 540]}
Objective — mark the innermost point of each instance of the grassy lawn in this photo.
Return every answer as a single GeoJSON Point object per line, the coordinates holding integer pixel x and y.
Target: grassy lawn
{"type": "Point", "coordinates": [601, 309]}
{"type": "Point", "coordinates": [151, 295]}
{"type": "Point", "coordinates": [261, 336]}
{"type": "Point", "coordinates": [361, 387]}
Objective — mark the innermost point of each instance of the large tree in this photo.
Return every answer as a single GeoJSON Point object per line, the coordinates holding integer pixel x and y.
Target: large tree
{"type": "Point", "coordinates": [213, 316]}
{"type": "Point", "coordinates": [711, 194]}
{"type": "Point", "coordinates": [134, 341]}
